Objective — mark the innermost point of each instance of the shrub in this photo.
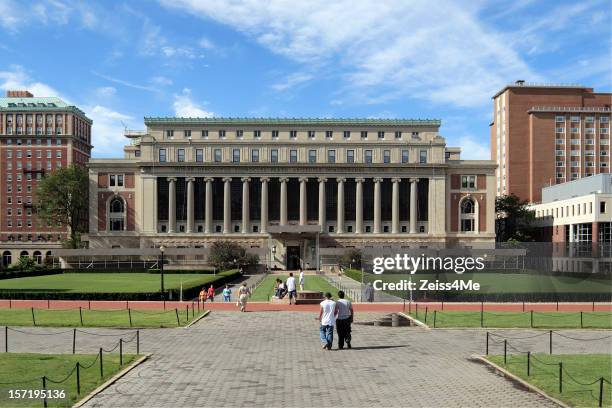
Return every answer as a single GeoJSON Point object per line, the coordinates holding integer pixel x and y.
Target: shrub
{"type": "Point", "coordinates": [351, 258]}
{"type": "Point", "coordinates": [226, 254]}
{"type": "Point", "coordinates": [26, 263]}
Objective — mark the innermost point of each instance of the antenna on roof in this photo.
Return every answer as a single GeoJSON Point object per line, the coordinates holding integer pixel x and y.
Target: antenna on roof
{"type": "Point", "coordinates": [124, 125]}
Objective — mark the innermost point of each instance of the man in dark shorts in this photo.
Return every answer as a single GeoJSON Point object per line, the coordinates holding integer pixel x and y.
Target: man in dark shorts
{"type": "Point", "coordinates": [291, 288]}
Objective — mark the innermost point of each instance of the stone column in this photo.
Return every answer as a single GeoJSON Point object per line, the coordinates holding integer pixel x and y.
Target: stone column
{"type": "Point", "coordinates": [359, 205]}
{"type": "Point", "coordinates": [303, 203]}
{"type": "Point", "coordinates": [340, 215]}
{"type": "Point", "coordinates": [322, 202]}
{"type": "Point", "coordinates": [264, 204]}
{"type": "Point", "coordinates": [395, 206]}
{"type": "Point", "coordinates": [413, 205]}
{"type": "Point", "coordinates": [190, 212]}
{"type": "Point", "coordinates": [208, 213]}
{"type": "Point", "coordinates": [171, 204]}
{"type": "Point", "coordinates": [227, 205]}
{"type": "Point", "coordinates": [246, 224]}
{"type": "Point", "coordinates": [283, 203]}
{"type": "Point", "coordinates": [377, 210]}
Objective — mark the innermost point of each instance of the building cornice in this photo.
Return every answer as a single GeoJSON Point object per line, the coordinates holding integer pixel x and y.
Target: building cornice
{"type": "Point", "coordinates": [291, 121]}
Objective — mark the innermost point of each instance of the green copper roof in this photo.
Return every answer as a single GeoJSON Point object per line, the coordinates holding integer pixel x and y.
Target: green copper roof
{"type": "Point", "coordinates": [38, 104]}
{"type": "Point", "coordinates": [291, 121]}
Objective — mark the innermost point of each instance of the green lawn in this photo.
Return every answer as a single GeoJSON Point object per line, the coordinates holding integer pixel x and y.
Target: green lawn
{"type": "Point", "coordinates": [95, 318]}
{"type": "Point", "coordinates": [547, 320]}
{"type": "Point", "coordinates": [265, 290]}
{"type": "Point", "coordinates": [20, 368]}
{"type": "Point", "coordinates": [104, 282]}
{"type": "Point", "coordinates": [584, 368]}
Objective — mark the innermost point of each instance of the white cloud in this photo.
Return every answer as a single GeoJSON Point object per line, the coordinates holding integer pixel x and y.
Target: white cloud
{"type": "Point", "coordinates": [15, 15]}
{"type": "Point", "coordinates": [161, 80]}
{"type": "Point", "coordinates": [184, 106]}
{"type": "Point", "coordinates": [206, 43]}
{"type": "Point", "coordinates": [292, 81]}
{"type": "Point", "coordinates": [387, 50]}
{"type": "Point", "coordinates": [179, 52]}
{"type": "Point", "coordinates": [474, 149]}
{"type": "Point", "coordinates": [106, 91]}
{"type": "Point", "coordinates": [107, 130]}
{"type": "Point", "coordinates": [17, 79]}
{"type": "Point", "coordinates": [125, 83]}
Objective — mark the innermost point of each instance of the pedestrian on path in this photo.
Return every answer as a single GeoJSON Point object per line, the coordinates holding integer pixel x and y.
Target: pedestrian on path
{"type": "Point", "coordinates": [345, 318]}
{"type": "Point", "coordinates": [301, 280]}
{"type": "Point", "coordinates": [203, 295]}
{"type": "Point", "coordinates": [291, 288]}
{"type": "Point", "coordinates": [368, 293]}
{"type": "Point", "coordinates": [327, 320]}
{"type": "Point", "coordinates": [211, 293]}
{"type": "Point", "coordinates": [227, 293]}
{"type": "Point", "coordinates": [243, 294]}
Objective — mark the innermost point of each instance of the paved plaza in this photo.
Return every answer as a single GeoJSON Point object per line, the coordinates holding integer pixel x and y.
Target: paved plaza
{"type": "Point", "coordinates": [274, 359]}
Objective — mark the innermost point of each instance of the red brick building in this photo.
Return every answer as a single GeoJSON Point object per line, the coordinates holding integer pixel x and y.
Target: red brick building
{"type": "Point", "coordinates": [37, 136]}
{"type": "Point", "coordinates": [543, 135]}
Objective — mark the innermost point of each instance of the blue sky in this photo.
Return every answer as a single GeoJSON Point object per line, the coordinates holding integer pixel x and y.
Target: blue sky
{"type": "Point", "coordinates": [120, 61]}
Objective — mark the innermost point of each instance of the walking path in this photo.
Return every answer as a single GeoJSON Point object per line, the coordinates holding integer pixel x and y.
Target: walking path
{"type": "Point", "coordinates": [352, 286]}
{"type": "Point", "coordinates": [275, 360]}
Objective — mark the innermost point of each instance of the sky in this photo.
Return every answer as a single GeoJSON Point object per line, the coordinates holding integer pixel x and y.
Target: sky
{"type": "Point", "coordinates": [121, 61]}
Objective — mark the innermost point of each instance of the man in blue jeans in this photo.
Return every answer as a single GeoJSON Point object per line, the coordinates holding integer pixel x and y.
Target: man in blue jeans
{"type": "Point", "coordinates": [327, 318]}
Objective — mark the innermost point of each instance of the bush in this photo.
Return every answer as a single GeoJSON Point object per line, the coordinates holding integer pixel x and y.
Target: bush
{"type": "Point", "coordinates": [227, 254]}
{"type": "Point", "coordinates": [26, 263]}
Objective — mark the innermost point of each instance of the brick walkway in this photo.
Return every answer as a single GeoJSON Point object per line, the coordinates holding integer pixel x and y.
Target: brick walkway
{"type": "Point", "coordinates": [275, 360]}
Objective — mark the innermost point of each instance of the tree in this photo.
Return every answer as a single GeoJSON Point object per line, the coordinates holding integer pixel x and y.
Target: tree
{"type": "Point", "coordinates": [351, 259]}
{"type": "Point", "coordinates": [514, 219]}
{"type": "Point", "coordinates": [226, 254]}
{"type": "Point", "coordinates": [62, 199]}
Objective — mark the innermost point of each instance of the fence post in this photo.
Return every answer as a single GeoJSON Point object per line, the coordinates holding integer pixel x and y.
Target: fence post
{"type": "Point", "coordinates": [78, 378]}
{"type": "Point", "coordinates": [187, 312]}
{"type": "Point", "coordinates": [6, 339]}
{"type": "Point", "coordinates": [505, 351]}
{"type": "Point", "coordinates": [523, 305]}
{"type": "Point", "coordinates": [137, 341]}
{"type": "Point", "coordinates": [101, 365]}
{"type": "Point", "coordinates": [121, 351]}
{"type": "Point", "coordinates": [531, 319]}
{"type": "Point", "coordinates": [581, 326]}
{"type": "Point", "coordinates": [33, 319]}
{"type": "Point", "coordinates": [593, 306]}
{"type": "Point", "coordinates": [409, 307]}
{"type": "Point", "coordinates": [178, 322]}
{"type": "Point", "coordinates": [48, 304]}
{"type": "Point", "coordinates": [550, 342]}
{"type": "Point", "coordinates": [404, 307]}
{"type": "Point", "coordinates": [73, 341]}
{"type": "Point", "coordinates": [481, 318]}
{"type": "Point", "coordinates": [528, 363]}
{"type": "Point", "coordinates": [435, 313]}
{"type": "Point", "coordinates": [601, 380]}
{"type": "Point", "coordinates": [442, 305]}
{"type": "Point", "coordinates": [417, 310]}
{"type": "Point", "coordinates": [560, 377]}
{"type": "Point", "coordinates": [44, 386]}
{"type": "Point", "coordinates": [130, 316]}
{"type": "Point", "coordinates": [164, 305]}
{"type": "Point", "coordinates": [487, 345]}
{"type": "Point", "coordinates": [81, 315]}
{"type": "Point", "coordinates": [557, 305]}
{"type": "Point", "coordinates": [426, 310]}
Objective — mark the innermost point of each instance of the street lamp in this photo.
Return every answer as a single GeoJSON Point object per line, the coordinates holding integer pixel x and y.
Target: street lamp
{"type": "Point", "coordinates": [352, 262]}
{"type": "Point", "coordinates": [161, 269]}
{"type": "Point", "coordinates": [273, 249]}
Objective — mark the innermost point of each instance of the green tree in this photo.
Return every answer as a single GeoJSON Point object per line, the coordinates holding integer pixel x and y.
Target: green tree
{"type": "Point", "coordinates": [226, 254]}
{"type": "Point", "coordinates": [26, 263]}
{"type": "Point", "coordinates": [62, 199]}
{"type": "Point", "coordinates": [514, 219]}
{"type": "Point", "coordinates": [351, 259]}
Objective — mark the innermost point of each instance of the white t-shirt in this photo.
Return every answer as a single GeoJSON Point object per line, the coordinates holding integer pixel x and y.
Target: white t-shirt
{"type": "Point", "coordinates": [290, 283]}
{"type": "Point", "coordinates": [344, 309]}
{"type": "Point", "coordinates": [302, 277]}
{"type": "Point", "coordinates": [328, 318]}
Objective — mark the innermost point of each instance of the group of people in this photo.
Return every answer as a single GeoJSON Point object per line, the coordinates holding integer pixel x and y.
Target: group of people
{"type": "Point", "coordinates": [243, 293]}
{"type": "Point", "coordinates": [288, 288]}
{"type": "Point", "coordinates": [339, 314]}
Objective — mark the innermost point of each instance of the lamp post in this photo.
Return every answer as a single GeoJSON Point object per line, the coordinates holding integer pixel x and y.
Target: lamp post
{"type": "Point", "coordinates": [161, 269]}
{"type": "Point", "coordinates": [273, 256]}
{"type": "Point", "coordinates": [351, 264]}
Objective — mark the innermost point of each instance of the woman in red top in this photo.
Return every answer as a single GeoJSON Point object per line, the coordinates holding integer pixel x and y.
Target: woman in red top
{"type": "Point", "coordinates": [211, 293]}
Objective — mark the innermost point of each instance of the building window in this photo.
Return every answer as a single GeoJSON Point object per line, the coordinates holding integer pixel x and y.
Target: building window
{"type": "Point", "coordinates": [162, 155]}
{"type": "Point", "coordinates": [364, 134]}
{"type": "Point", "coordinates": [187, 134]}
{"type": "Point", "coordinates": [236, 155]}
{"type": "Point", "coordinates": [331, 156]}
{"type": "Point", "coordinates": [255, 155]}
{"type": "Point", "coordinates": [387, 156]}
{"type": "Point", "coordinates": [602, 207]}
{"type": "Point", "coordinates": [423, 156]}
{"type": "Point", "coordinates": [180, 155]}
{"type": "Point", "coordinates": [292, 134]}
{"type": "Point", "coordinates": [311, 134]}
{"type": "Point", "coordinates": [205, 134]}
{"type": "Point", "coordinates": [398, 134]}
{"type": "Point", "coordinates": [559, 118]}
{"type": "Point", "coordinates": [200, 155]}
{"type": "Point", "coordinates": [312, 156]}
{"type": "Point", "coordinates": [116, 214]}
{"type": "Point", "coordinates": [222, 134]}
{"type": "Point", "coordinates": [169, 134]}
{"type": "Point", "coordinates": [275, 134]}
{"type": "Point", "coordinates": [347, 134]}
{"type": "Point", "coordinates": [239, 134]}
{"type": "Point", "coordinates": [217, 155]}
{"type": "Point", "coordinates": [115, 180]}
{"type": "Point", "coordinates": [329, 134]}
{"type": "Point", "coordinates": [468, 182]}
{"type": "Point", "coordinates": [274, 156]}
{"type": "Point", "coordinates": [404, 156]}
{"type": "Point", "coordinates": [367, 156]}
{"type": "Point", "coordinates": [603, 119]}
{"type": "Point", "coordinates": [257, 134]}
{"type": "Point", "coordinates": [381, 134]}
{"type": "Point", "coordinates": [467, 215]}
{"type": "Point", "coordinates": [293, 156]}
{"type": "Point", "coordinates": [350, 156]}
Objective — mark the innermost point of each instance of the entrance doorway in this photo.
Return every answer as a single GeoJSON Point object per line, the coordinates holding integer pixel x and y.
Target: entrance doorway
{"type": "Point", "coordinates": [293, 257]}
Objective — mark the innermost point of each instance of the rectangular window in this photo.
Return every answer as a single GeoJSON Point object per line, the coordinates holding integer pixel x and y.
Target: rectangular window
{"type": "Point", "coordinates": [239, 134]}
{"type": "Point", "coordinates": [293, 156]}
{"type": "Point", "coordinates": [415, 135]}
{"type": "Point", "coordinates": [398, 134]}
{"type": "Point", "coordinates": [112, 180]}
{"type": "Point", "coordinates": [602, 207]}
{"type": "Point", "coordinates": [275, 134]}
{"type": "Point", "coordinates": [347, 134]}
{"type": "Point", "coordinates": [200, 155]}
{"type": "Point", "coordinates": [560, 130]}
{"type": "Point", "coordinates": [257, 134]}
{"type": "Point", "coordinates": [404, 156]}
{"type": "Point", "coordinates": [603, 131]}
{"type": "Point", "coordinates": [468, 181]}
{"type": "Point", "coordinates": [387, 156]}
{"type": "Point", "coordinates": [205, 134]}
{"type": "Point", "coordinates": [217, 155]}
{"type": "Point", "coordinates": [575, 130]}
{"type": "Point", "coordinates": [180, 155]}
{"type": "Point", "coordinates": [367, 156]}
{"type": "Point", "coordinates": [329, 134]}
{"type": "Point", "coordinates": [364, 134]}
{"type": "Point", "coordinates": [603, 119]}
{"type": "Point", "coordinates": [559, 118]}
{"type": "Point", "coordinates": [236, 155]}
{"type": "Point", "coordinates": [292, 134]}
{"type": "Point", "coordinates": [255, 155]}
{"type": "Point", "coordinates": [274, 156]}
{"type": "Point", "coordinates": [331, 156]}
{"type": "Point", "coordinates": [560, 164]}
{"type": "Point", "coordinates": [312, 156]}
{"type": "Point", "coordinates": [560, 152]}
{"type": "Point", "coordinates": [119, 180]}
{"type": "Point", "coordinates": [162, 155]}
{"type": "Point", "coordinates": [381, 134]}
{"type": "Point", "coordinates": [58, 154]}
{"type": "Point", "coordinates": [423, 156]}
{"type": "Point", "coordinates": [311, 134]}
{"type": "Point", "coordinates": [169, 134]}
{"type": "Point", "coordinates": [187, 134]}
{"type": "Point", "coordinates": [350, 156]}
{"type": "Point", "coordinates": [221, 134]}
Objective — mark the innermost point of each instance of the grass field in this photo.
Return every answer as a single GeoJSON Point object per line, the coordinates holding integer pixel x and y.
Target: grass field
{"type": "Point", "coordinates": [587, 368]}
{"type": "Point", "coordinates": [26, 370]}
{"type": "Point", "coordinates": [265, 290]}
{"type": "Point", "coordinates": [548, 320]}
{"type": "Point", "coordinates": [104, 282]}
{"type": "Point", "coordinates": [95, 318]}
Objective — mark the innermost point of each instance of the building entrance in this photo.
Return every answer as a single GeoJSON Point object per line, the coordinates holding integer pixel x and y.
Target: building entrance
{"type": "Point", "coordinates": [293, 257]}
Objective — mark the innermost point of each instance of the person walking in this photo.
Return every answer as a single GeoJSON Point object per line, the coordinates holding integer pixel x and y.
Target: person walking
{"type": "Point", "coordinates": [227, 293]}
{"type": "Point", "coordinates": [327, 320]}
{"type": "Point", "coordinates": [301, 280]}
{"type": "Point", "coordinates": [243, 294]}
{"type": "Point", "coordinates": [291, 288]}
{"type": "Point", "coordinates": [211, 293]}
{"type": "Point", "coordinates": [368, 293]}
{"type": "Point", "coordinates": [344, 320]}
{"type": "Point", "coordinates": [203, 295]}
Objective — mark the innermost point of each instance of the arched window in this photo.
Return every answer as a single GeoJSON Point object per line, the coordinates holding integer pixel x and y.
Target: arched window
{"type": "Point", "coordinates": [468, 215]}
{"type": "Point", "coordinates": [116, 216]}
{"type": "Point", "coordinates": [24, 254]}
{"type": "Point", "coordinates": [7, 258]}
{"type": "Point", "coordinates": [38, 257]}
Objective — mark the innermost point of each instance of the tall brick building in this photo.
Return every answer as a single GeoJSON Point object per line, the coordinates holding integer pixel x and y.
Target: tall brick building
{"type": "Point", "coordinates": [37, 136]}
{"type": "Point", "coordinates": [543, 135]}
